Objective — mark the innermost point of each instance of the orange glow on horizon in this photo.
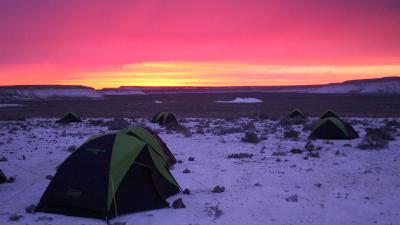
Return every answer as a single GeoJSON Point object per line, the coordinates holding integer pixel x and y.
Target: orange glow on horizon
{"type": "Point", "coordinates": [224, 74]}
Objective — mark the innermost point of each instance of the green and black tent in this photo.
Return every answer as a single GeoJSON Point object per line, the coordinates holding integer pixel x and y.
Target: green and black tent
{"type": "Point", "coordinates": [152, 139]}
{"type": "Point", "coordinates": [3, 177]}
{"type": "Point", "coordinates": [333, 128]}
{"type": "Point", "coordinates": [328, 114]}
{"type": "Point", "coordinates": [297, 113]}
{"type": "Point", "coordinates": [107, 176]}
{"type": "Point", "coordinates": [164, 118]}
{"type": "Point", "coordinates": [70, 117]}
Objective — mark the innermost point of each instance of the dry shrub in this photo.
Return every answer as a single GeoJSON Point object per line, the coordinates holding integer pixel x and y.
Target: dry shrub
{"type": "Point", "coordinates": [250, 137]}
{"type": "Point", "coordinates": [290, 133]}
{"type": "Point", "coordinates": [376, 138]}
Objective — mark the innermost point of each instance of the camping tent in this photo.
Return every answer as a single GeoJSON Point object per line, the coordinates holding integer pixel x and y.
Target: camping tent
{"type": "Point", "coordinates": [296, 113]}
{"type": "Point", "coordinates": [333, 128]}
{"type": "Point", "coordinates": [70, 117]}
{"type": "Point", "coordinates": [109, 175]}
{"type": "Point", "coordinates": [3, 177]}
{"type": "Point", "coordinates": [328, 114]}
{"type": "Point", "coordinates": [164, 118]}
{"type": "Point", "coordinates": [152, 139]}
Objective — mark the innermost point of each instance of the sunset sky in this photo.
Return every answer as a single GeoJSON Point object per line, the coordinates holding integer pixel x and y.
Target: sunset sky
{"type": "Point", "coordinates": [197, 43]}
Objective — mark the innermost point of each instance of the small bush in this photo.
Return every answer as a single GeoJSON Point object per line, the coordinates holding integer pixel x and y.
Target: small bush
{"type": "Point", "coordinates": [263, 116]}
{"type": "Point", "coordinates": [222, 130]}
{"type": "Point", "coordinates": [393, 123]}
{"type": "Point", "coordinates": [96, 123]}
{"type": "Point", "coordinates": [248, 126]}
{"type": "Point", "coordinates": [287, 121]}
{"type": "Point", "coordinates": [382, 132]}
{"type": "Point", "coordinates": [250, 137]}
{"type": "Point", "coordinates": [376, 138]}
{"type": "Point", "coordinates": [291, 133]}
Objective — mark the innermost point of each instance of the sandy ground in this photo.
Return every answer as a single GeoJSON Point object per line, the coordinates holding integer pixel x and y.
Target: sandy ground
{"type": "Point", "coordinates": [345, 185]}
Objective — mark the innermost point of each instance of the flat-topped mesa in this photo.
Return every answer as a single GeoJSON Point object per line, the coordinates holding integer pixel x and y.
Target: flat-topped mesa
{"type": "Point", "coordinates": [23, 92]}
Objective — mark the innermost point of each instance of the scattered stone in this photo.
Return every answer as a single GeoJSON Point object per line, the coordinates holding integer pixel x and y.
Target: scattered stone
{"type": "Point", "coordinates": [278, 160]}
{"type": "Point", "coordinates": [30, 209]}
{"type": "Point", "coordinates": [296, 151]}
{"type": "Point", "coordinates": [179, 161]}
{"type": "Point", "coordinates": [347, 145]}
{"type": "Point", "coordinates": [313, 155]}
{"type": "Point", "coordinates": [15, 217]}
{"type": "Point", "coordinates": [49, 177]}
{"type": "Point", "coordinates": [240, 155]}
{"type": "Point", "coordinates": [292, 198]}
{"type": "Point", "coordinates": [279, 153]}
{"type": "Point", "coordinates": [178, 204]}
{"type": "Point", "coordinates": [318, 185]}
{"type": "Point", "coordinates": [186, 171]}
{"type": "Point", "coordinates": [257, 184]}
{"type": "Point", "coordinates": [11, 180]}
{"type": "Point", "coordinates": [186, 191]}
{"type": "Point", "coordinates": [3, 159]}
{"type": "Point", "coordinates": [191, 159]}
{"type": "Point", "coordinates": [71, 148]}
{"type": "Point", "coordinates": [218, 189]}
{"type": "Point", "coordinates": [250, 137]}
{"type": "Point", "coordinates": [305, 157]}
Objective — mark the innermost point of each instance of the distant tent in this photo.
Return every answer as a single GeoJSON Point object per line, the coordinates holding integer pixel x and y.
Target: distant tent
{"type": "Point", "coordinates": [70, 118]}
{"type": "Point", "coordinates": [164, 118]}
{"type": "Point", "coordinates": [328, 114]}
{"type": "Point", "coordinates": [3, 177]}
{"type": "Point", "coordinates": [107, 176]}
{"type": "Point", "coordinates": [153, 140]}
{"type": "Point", "coordinates": [333, 128]}
{"type": "Point", "coordinates": [296, 113]}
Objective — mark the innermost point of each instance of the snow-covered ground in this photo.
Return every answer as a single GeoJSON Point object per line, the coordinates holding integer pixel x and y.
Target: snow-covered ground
{"type": "Point", "coordinates": [390, 87]}
{"type": "Point", "coordinates": [27, 93]}
{"type": "Point", "coordinates": [241, 100]}
{"type": "Point", "coordinates": [344, 186]}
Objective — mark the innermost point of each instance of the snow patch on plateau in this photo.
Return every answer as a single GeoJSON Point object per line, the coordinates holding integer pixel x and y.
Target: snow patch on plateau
{"type": "Point", "coordinates": [9, 105]}
{"type": "Point", "coordinates": [242, 100]}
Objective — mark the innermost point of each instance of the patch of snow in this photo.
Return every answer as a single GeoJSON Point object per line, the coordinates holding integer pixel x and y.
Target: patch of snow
{"type": "Point", "coordinates": [242, 100]}
{"type": "Point", "coordinates": [158, 102]}
{"type": "Point", "coordinates": [43, 93]}
{"type": "Point", "coordinates": [390, 87]}
{"type": "Point", "coordinates": [9, 105]}
{"type": "Point", "coordinates": [121, 92]}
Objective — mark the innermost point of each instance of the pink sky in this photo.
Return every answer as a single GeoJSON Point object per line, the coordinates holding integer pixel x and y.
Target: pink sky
{"type": "Point", "coordinates": [256, 42]}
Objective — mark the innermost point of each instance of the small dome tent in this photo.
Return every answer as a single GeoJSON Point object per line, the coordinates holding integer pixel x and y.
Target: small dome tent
{"type": "Point", "coordinates": [164, 118]}
{"type": "Point", "coordinates": [333, 128]}
{"type": "Point", "coordinates": [70, 117]}
{"type": "Point", "coordinates": [297, 113]}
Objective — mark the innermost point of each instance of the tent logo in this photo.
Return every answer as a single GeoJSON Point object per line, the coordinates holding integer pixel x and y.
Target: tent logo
{"type": "Point", "coordinates": [95, 150]}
